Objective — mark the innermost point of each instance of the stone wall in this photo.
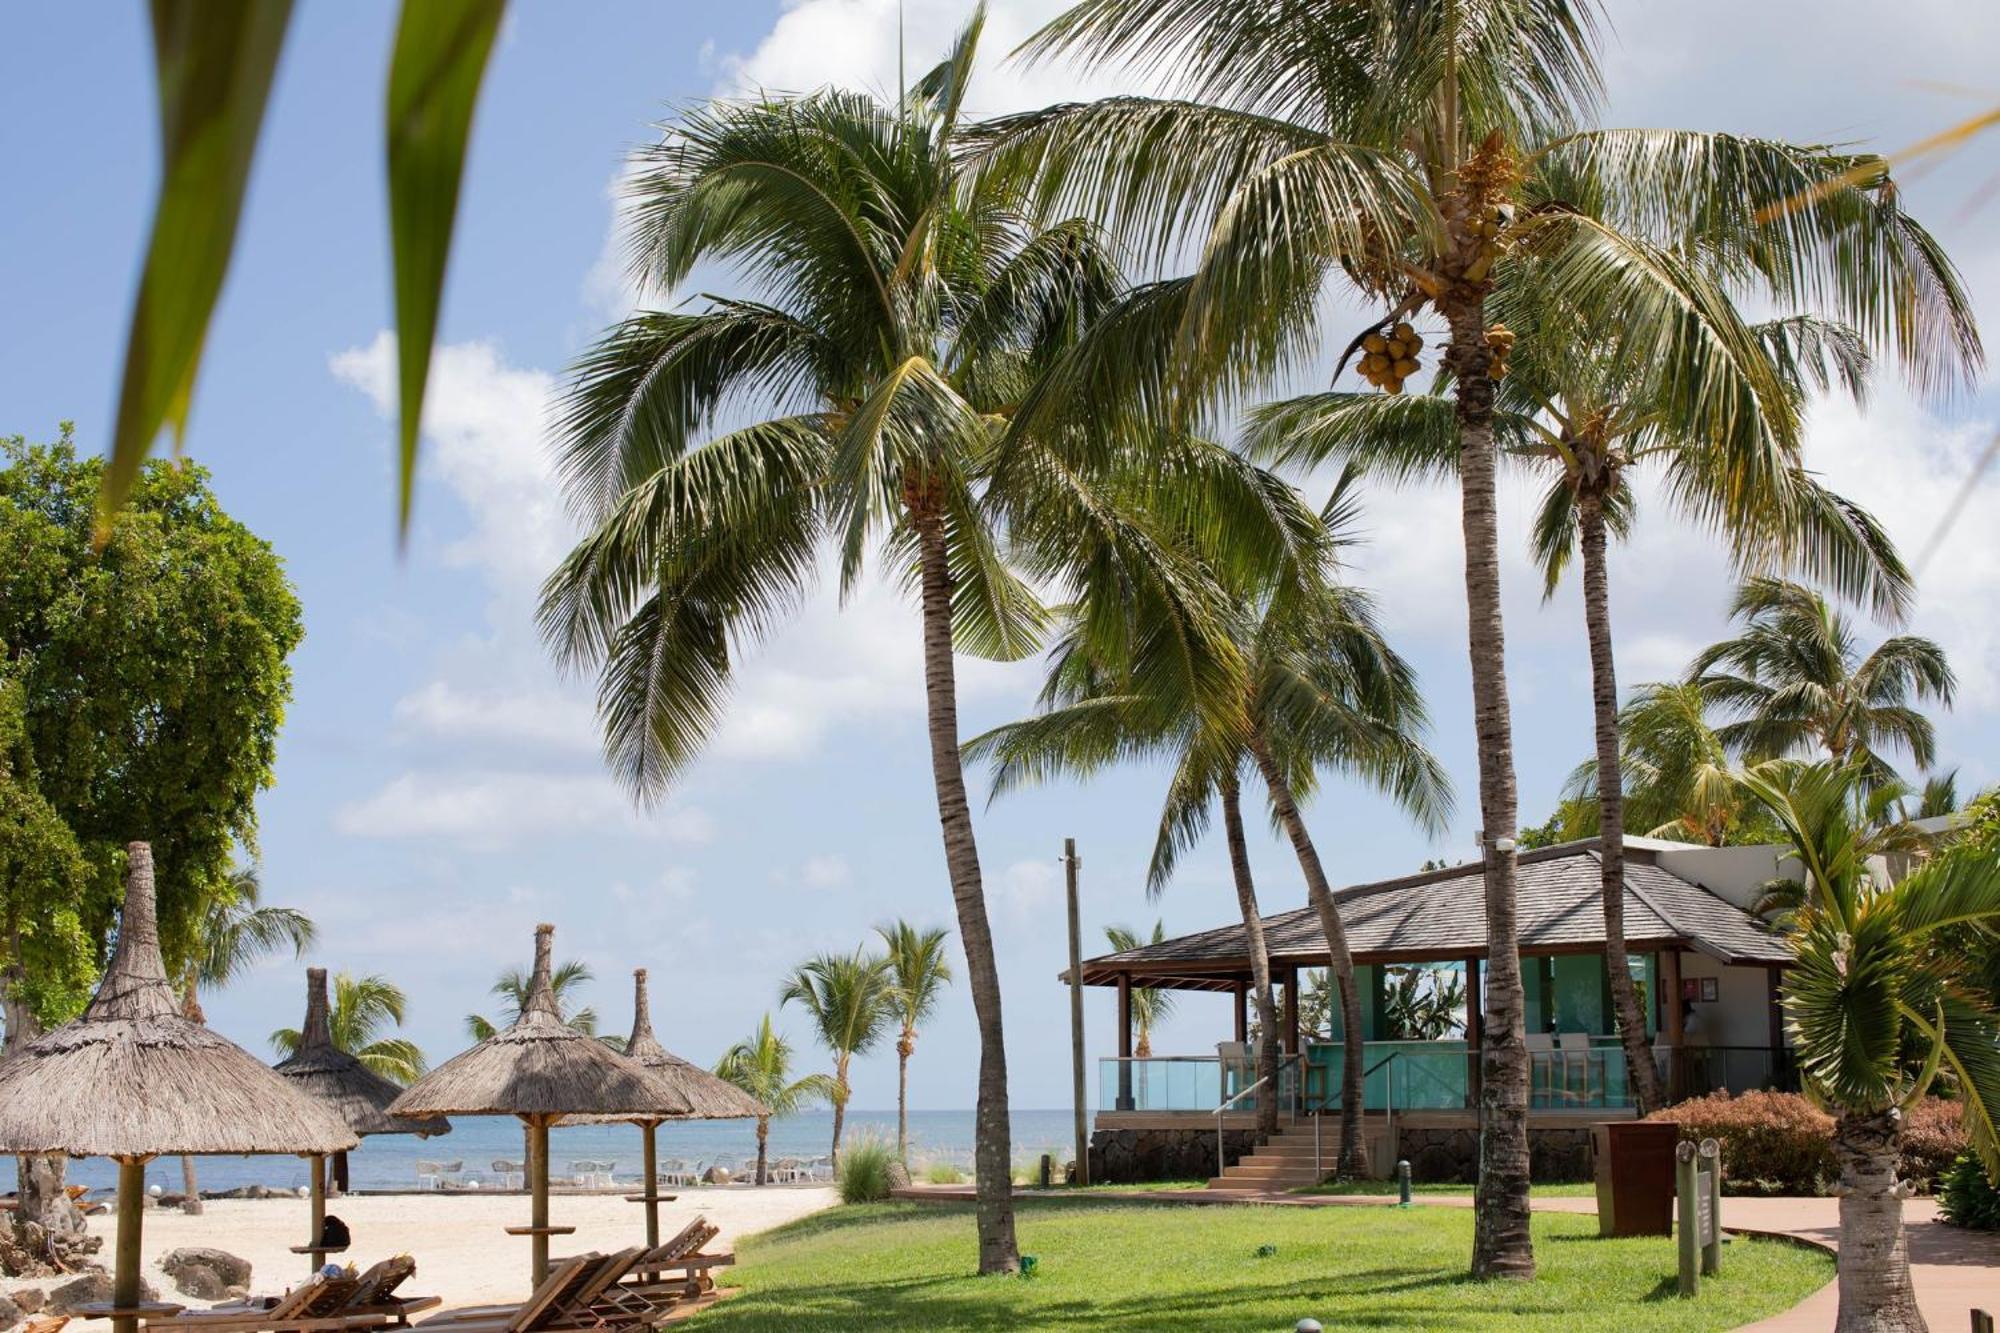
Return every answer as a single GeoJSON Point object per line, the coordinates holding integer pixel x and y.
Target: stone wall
{"type": "Point", "coordinates": [1452, 1155]}
{"type": "Point", "coordinates": [1130, 1156]}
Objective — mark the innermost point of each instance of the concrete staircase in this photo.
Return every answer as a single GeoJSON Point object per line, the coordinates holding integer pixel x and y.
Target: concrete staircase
{"type": "Point", "coordinates": [1285, 1161]}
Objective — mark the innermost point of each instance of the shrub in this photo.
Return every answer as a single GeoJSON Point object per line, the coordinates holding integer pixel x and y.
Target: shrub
{"type": "Point", "coordinates": [1967, 1197]}
{"type": "Point", "coordinates": [1772, 1142]}
{"type": "Point", "coordinates": [864, 1170]}
{"type": "Point", "coordinates": [1933, 1139]}
{"type": "Point", "coordinates": [1780, 1143]}
{"type": "Point", "coordinates": [944, 1173]}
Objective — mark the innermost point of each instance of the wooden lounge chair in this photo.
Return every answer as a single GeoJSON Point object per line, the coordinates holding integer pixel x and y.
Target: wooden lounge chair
{"type": "Point", "coordinates": [680, 1256]}
{"type": "Point", "coordinates": [376, 1292]}
{"type": "Point", "coordinates": [318, 1305]}
{"type": "Point", "coordinates": [572, 1297]}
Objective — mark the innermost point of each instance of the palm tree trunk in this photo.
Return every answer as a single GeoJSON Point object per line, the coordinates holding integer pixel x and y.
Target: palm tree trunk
{"type": "Point", "coordinates": [839, 1107]}
{"type": "Point", "coordinates": [1501, 1244]}
{"type": "Point", "coordinates": [190, 1009]}
{"type": "Point", "coordinates": [763, 1142]}
{"type": "Point", "coordinates": [903, 1049]}
{"type": "Point", "coordinates": [1874, 1271]}
{"type": "Point", "coordinates": [1260, 958]}
{"type": "Point", "coordinates": [992, 1146]}
{"type": "Point", "coordinates": [1350, 1161]}
{"type": "Point", "coordinates": [1640, 1075]}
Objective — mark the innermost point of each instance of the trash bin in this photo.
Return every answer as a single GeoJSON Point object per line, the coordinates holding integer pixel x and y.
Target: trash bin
{"type": "Point", "coordinates": [1635, 1177]}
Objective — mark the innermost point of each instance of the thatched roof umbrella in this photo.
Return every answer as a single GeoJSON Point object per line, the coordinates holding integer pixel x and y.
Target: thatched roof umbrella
{"type": "Point", "coordinates": [709, 1098]}
{"type": "Point", "coordinates": [542, 1070]}
{"type": "Point", "coordinates": [356, 1093]}
{"type": "Point", "coordinates": [134, 1079]}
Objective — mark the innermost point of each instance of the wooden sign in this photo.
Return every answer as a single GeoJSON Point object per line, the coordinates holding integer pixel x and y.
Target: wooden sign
{"type": "Point", "coordinates": [1698, 1214]}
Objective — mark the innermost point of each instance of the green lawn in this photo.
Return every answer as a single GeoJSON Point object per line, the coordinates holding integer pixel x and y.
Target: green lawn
{"type": "Point", "coordinates": [1148, 1266]}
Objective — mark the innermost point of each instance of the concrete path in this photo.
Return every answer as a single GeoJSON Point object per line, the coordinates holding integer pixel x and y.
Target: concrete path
{"type": "Point", "coordinates": [1954, 1270]}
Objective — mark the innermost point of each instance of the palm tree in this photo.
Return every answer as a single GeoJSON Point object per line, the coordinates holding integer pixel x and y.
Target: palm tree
{"type": "Point", "coordinates": [1420, 149]}
{"type": "Point", "coordinates": [903, 323]}
{"type": "Point", "coordinates": [512, 986]}
{"type": "Point", "coordinates": [1879, 1007]}
{"type": "Point", "coordinates": [761, 1065]}
{"type": "Point", "coordinates": [1315, 685]}
{"type": "Point", "coordinates": [851, 1001]}
{"type": "Point", "coordinates": [234, 932]}
{"type": "Point", "coordinates": [1150, 1004]}
{"type": "Point", "coordinates": [1568, 406]}
{"type": "Point", "coordinates": [1796, 679]}
{"type": "Point", "coordinates": [363, 1010]}
{"type": "Point", "coordinates": [1677, 777]}
{"type": "Point", "coordinates": [918, 975]}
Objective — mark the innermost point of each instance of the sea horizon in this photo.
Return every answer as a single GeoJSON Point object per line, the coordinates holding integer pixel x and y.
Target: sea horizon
{"type": "Point", "coordinates": [389, 1161]}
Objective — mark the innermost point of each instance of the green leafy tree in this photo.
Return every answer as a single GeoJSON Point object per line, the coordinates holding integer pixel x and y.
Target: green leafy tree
{"type": "Point", "coordinates": [146, 678]}
{"type": "Point", "coordinates": [1151, 1005]}
{"type": "Point", "coordinates": [919, 973]}
{"type": "Point", "coordinates": [899, 367]}
{"type": "Point", "coordinates": [1314, 686]}
{"type": "Point", "coordinates": [512, 987]}
{"type": "Point", "coordinates": [1795, 678]}
{"type": "Point", "coordinates": [1423, 1003]}
{"type": "Point", "coordinates": [364, 1009]}
{"type": "Point", "coordinates": [1879, 1010]}
{"type": "Point", "coordinates": [761, 1065]}
{"type": "Point", "coordinates": [1417, 151]}
{"type": "Point", "coordinates": [235, 932]}
{"type": "Point", "coordinates": [851, 1001]}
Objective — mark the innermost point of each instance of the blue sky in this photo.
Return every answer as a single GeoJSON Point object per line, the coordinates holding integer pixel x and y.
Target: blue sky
{"type": "Point", "coordinates": [438, 789]}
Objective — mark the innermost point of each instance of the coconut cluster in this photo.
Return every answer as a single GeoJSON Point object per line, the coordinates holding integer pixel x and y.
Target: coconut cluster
{"type": "Point", "coordinates": [1390, 358]}
{"type": "Point", "coordinates": [1500, 340]}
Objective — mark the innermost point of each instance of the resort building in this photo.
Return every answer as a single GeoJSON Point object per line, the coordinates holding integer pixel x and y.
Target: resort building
{"type": "Point", "coordinates": [1707, 967]}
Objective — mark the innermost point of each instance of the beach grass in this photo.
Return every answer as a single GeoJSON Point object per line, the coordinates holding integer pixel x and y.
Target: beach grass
{"type": "Point", "coordinates": [1142, 1266]}
{"type": "Point", "coordinates": [1581, 1189]}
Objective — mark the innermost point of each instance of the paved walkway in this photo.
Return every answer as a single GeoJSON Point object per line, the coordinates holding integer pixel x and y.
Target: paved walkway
{"type": "Point", "coordinates": [1953, 1269]}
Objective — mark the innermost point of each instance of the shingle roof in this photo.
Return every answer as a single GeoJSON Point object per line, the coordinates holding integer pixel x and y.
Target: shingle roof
{"type": "Point", "coordinates": [1441, 915]}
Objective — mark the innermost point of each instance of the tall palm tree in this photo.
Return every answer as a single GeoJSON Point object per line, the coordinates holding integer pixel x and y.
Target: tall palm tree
{"type": "Point", "coordinates": [512, 986]}
{"type": "Point", "coordinates": [1570, 407]}
{"type": "Point", "coordinates": [901, 321]}
{"type": "Point", "coordinates": [761, 1065]}
{"type": "Point", "coordinates": [851, 1001]}
{"type": "Point", "coordinates": [233, 933]}
{"type": "Point", "coordinates": [1677, 777]}
{"type": "Point", "coordinates": [1420, 149]}
{"type": "Point", "coordinates": [1316, 685]}
{"type": "Point", "coordinates": [1796, 679]}
{"type": "Point", "coordinates": [918, 974]}
{"type": "Point", "coordinates": [1151, 1005]}
{"type": "Point", "coordinates": [1879, 1007]}
{"type": "Point", "coordinates": [364, 1009]}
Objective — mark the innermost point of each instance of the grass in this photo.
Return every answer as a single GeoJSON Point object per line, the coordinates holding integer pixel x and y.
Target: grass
{"type": "Point", "coordinates": [1146, 1266]}
{"type": "Point", "coordinates": [944, 1173]}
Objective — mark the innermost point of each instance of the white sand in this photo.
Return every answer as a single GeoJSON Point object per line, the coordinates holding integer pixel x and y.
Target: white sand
{"type": "Point", "coordinates": [462, 1251]}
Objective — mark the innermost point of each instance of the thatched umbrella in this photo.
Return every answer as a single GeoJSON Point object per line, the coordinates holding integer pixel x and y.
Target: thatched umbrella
{"type": "Point", "coordinates": [709, 1098]}
{"type": "Point", "coordinates": [542, 1070]}
{"type": "Point", "coordinates": [134, 1079]}
{"type": "Point", "coordinates": [356, 1093]}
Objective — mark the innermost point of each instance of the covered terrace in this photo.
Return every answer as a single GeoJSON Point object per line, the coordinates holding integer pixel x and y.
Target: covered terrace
{"type": "Point", "coordinates": [1707, 968]}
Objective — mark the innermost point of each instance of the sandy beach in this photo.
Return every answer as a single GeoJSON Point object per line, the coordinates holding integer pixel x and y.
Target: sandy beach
{"type": "Point", "coordinates": [462, 1252]}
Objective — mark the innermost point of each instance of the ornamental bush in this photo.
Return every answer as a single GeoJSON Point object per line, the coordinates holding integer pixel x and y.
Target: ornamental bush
{"type": "Point", "coordinates": [864, 1170]}
{"type": "Point", "coordinates": [1780, 1143]}
{"type": "Point", "coordinates": [1967, 1197]}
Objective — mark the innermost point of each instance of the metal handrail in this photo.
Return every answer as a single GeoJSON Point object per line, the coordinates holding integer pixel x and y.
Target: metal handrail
{"type": "Point", "coordinates": [1227, 1102]}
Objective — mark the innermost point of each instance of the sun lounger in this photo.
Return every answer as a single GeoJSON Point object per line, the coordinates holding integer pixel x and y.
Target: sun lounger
{"type": "Point", "coordinates": [572, 1297]}
{"type": "Point", "coordinates": [375, 1292]}
{"type": "Point", "coordinates": [563, 1279]}
{"type": "Point", "coordinates": [678, 1267]}
{"type": "Point", "coordinates": [319, 1305]}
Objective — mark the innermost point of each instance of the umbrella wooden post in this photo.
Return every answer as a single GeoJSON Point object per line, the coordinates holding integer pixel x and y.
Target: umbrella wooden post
{"type": "Point", "coordinates": [538, 1214]}
{"type": "Point", "coordinates": [318, 1208]}
{"type": "Point", "coordinates": [651, 1188]}
{"type": "Point", "coordinates": [125, 1271]}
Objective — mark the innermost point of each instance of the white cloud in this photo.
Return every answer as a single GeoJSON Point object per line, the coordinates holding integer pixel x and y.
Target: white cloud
{"type": "Point", "coordinates": [827, 871]}
{"type": "Point", "coordinates": [506, 807]}
{"type": "Point", "coordinates": [540, 717]}
{"type": "Point", "coordinates": [1030, 892]}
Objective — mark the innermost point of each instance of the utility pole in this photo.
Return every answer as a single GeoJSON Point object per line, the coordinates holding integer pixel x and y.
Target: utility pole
{"type": "Point", "coordinates": [1070, 864]}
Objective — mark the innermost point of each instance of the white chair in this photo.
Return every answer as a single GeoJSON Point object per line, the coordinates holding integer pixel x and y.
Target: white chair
{"type": "Point", "coordinates": [511, 1175]}
{"type": "Point", "coordinates": [430, 1175]}
{"type": "Point", "coordinates": [1541, 1066]}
